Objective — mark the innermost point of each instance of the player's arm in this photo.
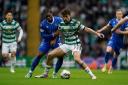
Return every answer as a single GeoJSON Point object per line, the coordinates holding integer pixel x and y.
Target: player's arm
{"type": "Point", "coordinates": [89, 30]}
{"type": "Point", "coordinates": [20, 33]}
{"type": "Point", "coordinates": [122, 32]}
{"type": "Point", "coordinates": [120, 23]}
{"type": "Point", "coordinates": [104, 28]}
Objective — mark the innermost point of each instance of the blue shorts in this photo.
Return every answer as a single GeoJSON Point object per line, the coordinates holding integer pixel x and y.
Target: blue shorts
{"type": "Point", "coordinates": [116, 45]}
{"type": "Point", "coordinates": [45, 46]}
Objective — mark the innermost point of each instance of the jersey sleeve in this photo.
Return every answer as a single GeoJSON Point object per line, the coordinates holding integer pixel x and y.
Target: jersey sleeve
{"type": "Point", "coordinates": [18, 27]}
{"type": "Point", "coordinates": [80, 26]}
{"type": "Point", "coordinates": [0, 26]}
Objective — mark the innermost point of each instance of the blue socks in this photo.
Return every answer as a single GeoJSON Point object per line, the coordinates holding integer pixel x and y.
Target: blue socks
{"type": "Point", "coordinates": [58, 64]}
{"type": "Point", "coordinates": [35, 62]}
{"type": "Point", "coordinates": [114, 61]}
{"type": "Point", "coordinates": [107, 57]}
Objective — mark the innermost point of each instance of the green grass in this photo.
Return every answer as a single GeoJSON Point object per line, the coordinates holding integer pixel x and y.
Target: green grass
{"type": "Point", "coordinates": [78, 77]}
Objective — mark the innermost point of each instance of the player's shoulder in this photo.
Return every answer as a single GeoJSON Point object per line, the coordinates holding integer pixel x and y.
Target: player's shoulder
{"type": "Point", "coordinates": [75, 21]}
{"type": "Point", "coordinates": [113, 19]}
{"type": "Point", "coordinates": [15, 22]}
{"type": "Point", "coordinates": [57, 17]}
{"type": "Point", "coordinates": [3, 22]}
{"type": "Point", "coordinates": [62, 23]}
{"type": "Point", "coordinates": [43, 22]}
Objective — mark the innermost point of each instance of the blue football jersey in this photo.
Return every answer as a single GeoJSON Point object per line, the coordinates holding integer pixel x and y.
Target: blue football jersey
{"type": "Point", "coordinates": [112, 23]}
{"type": "Point", "coordinates": [47, 29]}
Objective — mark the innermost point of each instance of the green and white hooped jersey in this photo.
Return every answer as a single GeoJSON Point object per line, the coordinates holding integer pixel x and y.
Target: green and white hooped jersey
{"type": "Point", "coordinates": [70, 30]}
{"type": "Point", "coordinates": [9, 31]}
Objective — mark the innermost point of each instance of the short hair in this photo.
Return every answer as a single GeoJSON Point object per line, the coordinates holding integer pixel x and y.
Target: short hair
{"type": "Point", "coordinates": [48, 12]}
{"type": "Point", "coordinates": [8, 11]}
{"type": "Point", "coordinates": [119, 10]}
{"type": "Point", "coordinates": [65, 12]}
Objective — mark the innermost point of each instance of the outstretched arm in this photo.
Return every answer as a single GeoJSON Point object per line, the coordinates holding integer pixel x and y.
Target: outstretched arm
{"type": "Point", "coordinates": [119, 23]}
{"type": "Point", "coordinates": [104, 28]}
{"type": "Point", "coordinates": [89, 30]}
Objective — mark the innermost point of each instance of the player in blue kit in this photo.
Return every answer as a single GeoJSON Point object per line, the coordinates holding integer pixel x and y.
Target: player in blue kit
{"type": "Point", "coordinates": [122, 21]}
{"type": "Point", "coordinates": [115, 42]}
{"type": "Point", "coordinates": [51, 40]}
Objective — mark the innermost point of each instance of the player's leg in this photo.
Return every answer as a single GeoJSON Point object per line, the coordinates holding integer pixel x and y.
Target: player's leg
{"type": "Point", "coordinates": [57, 52]}
{"type": "Point", "coordinates": [77, 58]}
{"type": "Point", "coordinates": [114, 59]}
{"type": "Point", "coordinates": [43, 49]}
{"type": "Point", "coordinates": [13, 48]}
{"type": "Point", "coordinates": [57, 67]}
{"type": "Point", "coordinates": [5, 52]}
{"type": "Point", "coordinates": [58, 63]}
{"type": "Point", "coordinates": [108, 55]}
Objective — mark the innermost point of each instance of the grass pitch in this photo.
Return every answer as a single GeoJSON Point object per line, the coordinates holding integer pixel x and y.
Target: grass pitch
{"type": "Point", "coordinates": [78, 77]}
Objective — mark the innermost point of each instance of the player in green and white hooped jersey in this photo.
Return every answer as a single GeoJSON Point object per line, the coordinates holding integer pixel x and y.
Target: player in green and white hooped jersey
{"type": "Point", "coordinates": [69, 28]}
{"type": "Point", "coordinates": [9, 28]}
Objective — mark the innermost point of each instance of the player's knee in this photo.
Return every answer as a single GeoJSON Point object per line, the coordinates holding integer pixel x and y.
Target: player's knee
{"type": "Point", "coordinates": [77, 59]}
{"type": "Point", "coordinates": [109, 49]}
{"type": "Point", "coordinates": [13, 54]}
{"type": "Point", "coordinates": [50, 56]}
{"type": "Point", "coordinates": [5, 55]}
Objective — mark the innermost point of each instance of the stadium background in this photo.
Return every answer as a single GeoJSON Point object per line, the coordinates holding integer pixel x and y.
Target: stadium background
{"type": "Point", "coordinates": [92, 13]}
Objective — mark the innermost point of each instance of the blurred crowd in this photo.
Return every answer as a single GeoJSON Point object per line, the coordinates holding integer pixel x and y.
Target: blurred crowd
{"type": "Point", "coordinates": [92, 13]}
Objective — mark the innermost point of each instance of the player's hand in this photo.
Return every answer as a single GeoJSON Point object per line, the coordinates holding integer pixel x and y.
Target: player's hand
{"type": "Point", "coordinates": [118, 31]}
{"type": "Point", "coordinates": [57, 33]}
{"type": "Point", "coordinates": [101, 35]}
{"type": "Point", "coordinates": [52, 42]}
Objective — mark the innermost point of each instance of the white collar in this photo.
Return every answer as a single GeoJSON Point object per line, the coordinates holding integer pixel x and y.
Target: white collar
{"type": "Point", "coordinates": [52, 21]}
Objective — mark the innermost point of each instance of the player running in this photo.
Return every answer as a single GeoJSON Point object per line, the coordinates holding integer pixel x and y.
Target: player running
{"type": "Point", "coordinates": [115, 42]}
{"type": "Point", "coordinates": [9, 28]}
{"type": "Point", "coordinates": [70, 29]}
{"type": "Point", "coordinates": [51, 40]}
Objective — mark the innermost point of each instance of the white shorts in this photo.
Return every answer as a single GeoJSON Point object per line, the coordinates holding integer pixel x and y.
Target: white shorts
{"type": "Point", "coordinates": [73, 48]}
{"type": "Point", "coordinates": [9, 47]}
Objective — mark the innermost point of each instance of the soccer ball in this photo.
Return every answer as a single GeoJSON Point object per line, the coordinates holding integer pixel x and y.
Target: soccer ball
{"type": "Point", "coordinates": [65, 74]}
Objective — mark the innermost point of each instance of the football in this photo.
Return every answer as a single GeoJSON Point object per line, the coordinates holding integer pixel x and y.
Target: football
{"type": "Point", "coordinates": [65, 74]}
